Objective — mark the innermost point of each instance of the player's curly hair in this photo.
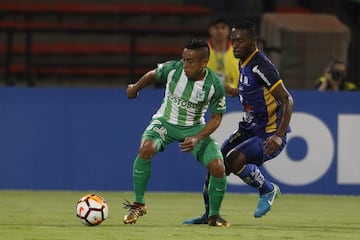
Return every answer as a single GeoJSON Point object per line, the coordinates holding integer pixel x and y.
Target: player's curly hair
{"type": "Point", "coordinates": [248, 26]}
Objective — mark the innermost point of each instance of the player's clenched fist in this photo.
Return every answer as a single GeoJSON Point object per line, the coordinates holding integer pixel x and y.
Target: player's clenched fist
{"type": "Point", "coordinates": [132, 91]}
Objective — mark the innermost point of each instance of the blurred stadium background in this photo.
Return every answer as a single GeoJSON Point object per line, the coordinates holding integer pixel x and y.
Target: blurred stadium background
{"type": "Point", "coordinates": [66, 123]}
{"type": "Point", "coordinates": [112, 42]}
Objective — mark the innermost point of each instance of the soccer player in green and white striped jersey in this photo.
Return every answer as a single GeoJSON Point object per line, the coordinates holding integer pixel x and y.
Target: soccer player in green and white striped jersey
{"type": "Point", "coordinates": [191, 89]}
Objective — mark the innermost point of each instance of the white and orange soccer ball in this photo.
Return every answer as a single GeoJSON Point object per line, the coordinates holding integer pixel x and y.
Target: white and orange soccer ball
{"type": "Point", "coordinates": [92, 209]}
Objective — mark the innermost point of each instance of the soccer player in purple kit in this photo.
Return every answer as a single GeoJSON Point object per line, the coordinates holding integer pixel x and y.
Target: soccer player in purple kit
{"type": "Point", "coordinates": [261, 134]}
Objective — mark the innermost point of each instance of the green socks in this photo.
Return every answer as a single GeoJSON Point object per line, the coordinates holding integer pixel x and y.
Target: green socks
{"type": "Point", "coordinates": [216, 191]}
{"type": "Point", "coordinates": [141, 176]}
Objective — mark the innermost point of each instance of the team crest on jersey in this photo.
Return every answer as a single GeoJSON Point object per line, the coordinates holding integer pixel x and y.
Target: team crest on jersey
{"type": "Point", "coordinates": [200, 95]}
{"type": "Point", "coordinates": [244, 80]}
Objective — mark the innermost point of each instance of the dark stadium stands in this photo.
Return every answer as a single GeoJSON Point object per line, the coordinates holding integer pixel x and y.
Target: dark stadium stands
{"type": "Point", "coordinates": [40, 24]}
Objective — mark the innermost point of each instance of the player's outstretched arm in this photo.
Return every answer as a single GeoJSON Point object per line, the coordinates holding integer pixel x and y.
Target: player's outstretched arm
{"type": "Point", "coordinates": [281, 94]}
{"type": "Point", "coordinates": [230, 91]}
{"type": "Point", "coordinates": [147, 79]}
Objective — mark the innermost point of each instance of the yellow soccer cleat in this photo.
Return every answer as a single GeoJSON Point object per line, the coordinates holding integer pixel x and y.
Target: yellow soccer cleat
{"type": "Point", "coordinates": [135, 210]}
{"type": "Point", "coordinates": [218, 221]}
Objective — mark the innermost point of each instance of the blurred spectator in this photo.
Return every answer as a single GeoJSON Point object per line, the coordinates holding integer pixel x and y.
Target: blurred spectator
{"type": "Point", "coordinates": [222, 59]}
{"type": "Point", "coordinates": [335, 78]}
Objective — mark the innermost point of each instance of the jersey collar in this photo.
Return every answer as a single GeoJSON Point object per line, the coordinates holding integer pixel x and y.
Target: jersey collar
{"type": "Point", "coordinates": [243, 64]}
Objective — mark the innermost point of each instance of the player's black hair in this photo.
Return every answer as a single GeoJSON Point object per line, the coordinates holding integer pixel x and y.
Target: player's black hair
{"type": "Point", "coordinates": [219, 19]}
{"type": "Point", "coordinates": [198, 44]}
{"type": "Point", "coordinates": [247, 25]}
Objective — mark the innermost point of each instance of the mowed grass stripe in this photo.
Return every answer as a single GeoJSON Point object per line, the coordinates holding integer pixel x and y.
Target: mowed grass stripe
{"type": "Point", "coordinates": [40, 215]}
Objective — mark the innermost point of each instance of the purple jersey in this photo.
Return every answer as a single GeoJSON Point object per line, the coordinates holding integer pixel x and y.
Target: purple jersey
{"type": "Point", "coordinates": [258, 77]}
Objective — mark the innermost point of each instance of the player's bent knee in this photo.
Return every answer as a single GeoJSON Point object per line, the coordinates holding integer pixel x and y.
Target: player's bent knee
{"type": "Point", "coordinates": [233, 162]}
{"type": "Point", "coordinates": [147, 149]}
{"type": "Point", "coordinates": [216, 168]}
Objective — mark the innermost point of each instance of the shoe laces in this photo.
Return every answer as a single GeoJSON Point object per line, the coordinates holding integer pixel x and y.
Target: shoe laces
{"type": "Point", "coordinates": [133, 208]}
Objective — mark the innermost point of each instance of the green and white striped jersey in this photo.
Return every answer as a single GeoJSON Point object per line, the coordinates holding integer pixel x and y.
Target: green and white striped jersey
{"type": "Point", "coordinates": [186, 102]}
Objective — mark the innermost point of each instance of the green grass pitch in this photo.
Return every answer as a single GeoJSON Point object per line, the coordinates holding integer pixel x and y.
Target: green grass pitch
{"type": "Point", "coordinates": [50, 215]}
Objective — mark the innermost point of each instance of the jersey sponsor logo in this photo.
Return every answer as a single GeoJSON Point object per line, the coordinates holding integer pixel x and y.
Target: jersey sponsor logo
{"type": "Point", "coordinates": [261, 75]}
{"type": "Point", "coordinates": [248, 113]}
{"type": "Point", "coordinates": [181, 102]}
{"type": "Point", "coordinates": [222, 104]}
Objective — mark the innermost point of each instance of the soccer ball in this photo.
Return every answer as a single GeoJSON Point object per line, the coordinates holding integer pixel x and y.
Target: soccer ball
{"type": "Point", "coordinates": [92, 209]}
